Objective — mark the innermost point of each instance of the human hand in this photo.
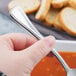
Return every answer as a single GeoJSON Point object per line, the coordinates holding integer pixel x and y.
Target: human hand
{"type": "Point", "coordinates": [19, 53]}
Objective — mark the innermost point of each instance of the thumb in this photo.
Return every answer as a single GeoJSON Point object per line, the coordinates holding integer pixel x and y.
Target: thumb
{"type": "Point", "coordinates": [39, 50]}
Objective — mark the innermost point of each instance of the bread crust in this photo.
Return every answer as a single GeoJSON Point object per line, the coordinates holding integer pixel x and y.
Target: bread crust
{"type": "Point", "coordinates": [59, 4]}
{"type": "Point", "coordinates": [25, 7]}
{"type": "Point", "coordinates": [48, 23]}
{"type": "Point", "coordinates": [64, 26]}
{"type": "Point", "coordinates": [47, 20]}
{"type": "Point", "coordinates": [57, 24]}
{"type": "Point", "coordinates": [51, 16]}
{"type": "Point", "coordinates": [43, 10]}
{"type": "Point", "coordinates": [72, 3]}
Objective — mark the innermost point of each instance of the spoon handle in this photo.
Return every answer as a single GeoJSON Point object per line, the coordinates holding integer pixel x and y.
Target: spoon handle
{"type": "Point", "coordinates": [18, 14]}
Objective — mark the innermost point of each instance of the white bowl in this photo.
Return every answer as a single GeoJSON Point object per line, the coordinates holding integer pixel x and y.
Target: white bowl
{"type": "Point", "coordinates": [64, 45]}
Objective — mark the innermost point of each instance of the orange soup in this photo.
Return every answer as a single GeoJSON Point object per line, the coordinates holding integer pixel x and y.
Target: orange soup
{"type": "Point", "coordinates": [50, 66]}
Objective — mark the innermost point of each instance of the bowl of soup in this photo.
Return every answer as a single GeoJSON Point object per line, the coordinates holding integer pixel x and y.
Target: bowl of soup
{"type": "Point", "coordinates": [50, 66]}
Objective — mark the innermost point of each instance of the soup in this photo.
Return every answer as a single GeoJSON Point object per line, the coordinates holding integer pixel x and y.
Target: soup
{"type": "Point", "coordinates": [50, 66]}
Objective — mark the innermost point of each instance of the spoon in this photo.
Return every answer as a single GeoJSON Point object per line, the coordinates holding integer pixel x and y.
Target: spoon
{"type": "Point", "coordinates": [18, 14]}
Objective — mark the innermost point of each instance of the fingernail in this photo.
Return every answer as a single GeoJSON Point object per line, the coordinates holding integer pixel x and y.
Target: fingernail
{"type": "Point", "coordinates": [50, 40]}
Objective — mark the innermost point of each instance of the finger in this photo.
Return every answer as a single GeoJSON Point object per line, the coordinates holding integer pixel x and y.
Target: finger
{"type": "Point", "coordinates": [19, 41]}
{"type": "Point", "coordinates": [38, 50]}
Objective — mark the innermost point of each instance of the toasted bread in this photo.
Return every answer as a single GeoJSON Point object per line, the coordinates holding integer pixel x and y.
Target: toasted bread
{"type": "Point", "coordinates": [57, 24]}
{"type": "Point", "coordinates": [44, 8]}
{"type": "Point", "coordinates": [59, 3]}
{"type": "Point", "coordinates": [51, 16]}
{"type": "Point", "coordinates": [68, 20]}
{"type": "Point", "coordinates": [28, 6]}
{"type": "Point", "coordinates": [72, 3]}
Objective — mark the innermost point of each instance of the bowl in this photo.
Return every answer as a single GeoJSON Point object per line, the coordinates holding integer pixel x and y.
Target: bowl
{"type": "Point", "coordinates": [50, 66]}
{"type": "Point", "coordinates": [66, 46]}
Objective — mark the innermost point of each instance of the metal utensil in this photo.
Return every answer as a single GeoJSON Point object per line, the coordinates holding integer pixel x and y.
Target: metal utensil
{"type": "Point", "coordinates": [18, 14]}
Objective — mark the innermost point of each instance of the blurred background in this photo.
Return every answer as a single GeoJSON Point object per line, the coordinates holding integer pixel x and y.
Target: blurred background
{"type": "Point", "coordinates": [8, 25]}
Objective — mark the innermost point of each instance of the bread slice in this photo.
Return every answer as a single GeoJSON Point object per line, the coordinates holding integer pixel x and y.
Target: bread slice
{"type": "Point", "coordinates": [72, 3]}
{"type": "Point", "coordinates": [68, 20]}
{"type": "Point", "coordinates": [57, 24]}
{"type": "Point", "coordinates": [59, 3]}
{"type": "Point", "coordinates": [44, 8]}
{"type": "Point", "coordinates": [51, 16]}
{"type": "Point", "coordinates": [28, 6]}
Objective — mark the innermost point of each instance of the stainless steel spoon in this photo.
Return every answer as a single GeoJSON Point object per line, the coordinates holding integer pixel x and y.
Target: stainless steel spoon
{"type": "Point", "coordinates": [18, 14]}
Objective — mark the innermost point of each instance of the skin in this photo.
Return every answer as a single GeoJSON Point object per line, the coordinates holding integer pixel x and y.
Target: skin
{"type": "Point", "coordinates": [19, 53]}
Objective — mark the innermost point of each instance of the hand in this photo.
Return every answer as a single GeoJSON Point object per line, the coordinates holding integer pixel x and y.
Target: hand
{"type": "Point", "coordinates": [19, 53]}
